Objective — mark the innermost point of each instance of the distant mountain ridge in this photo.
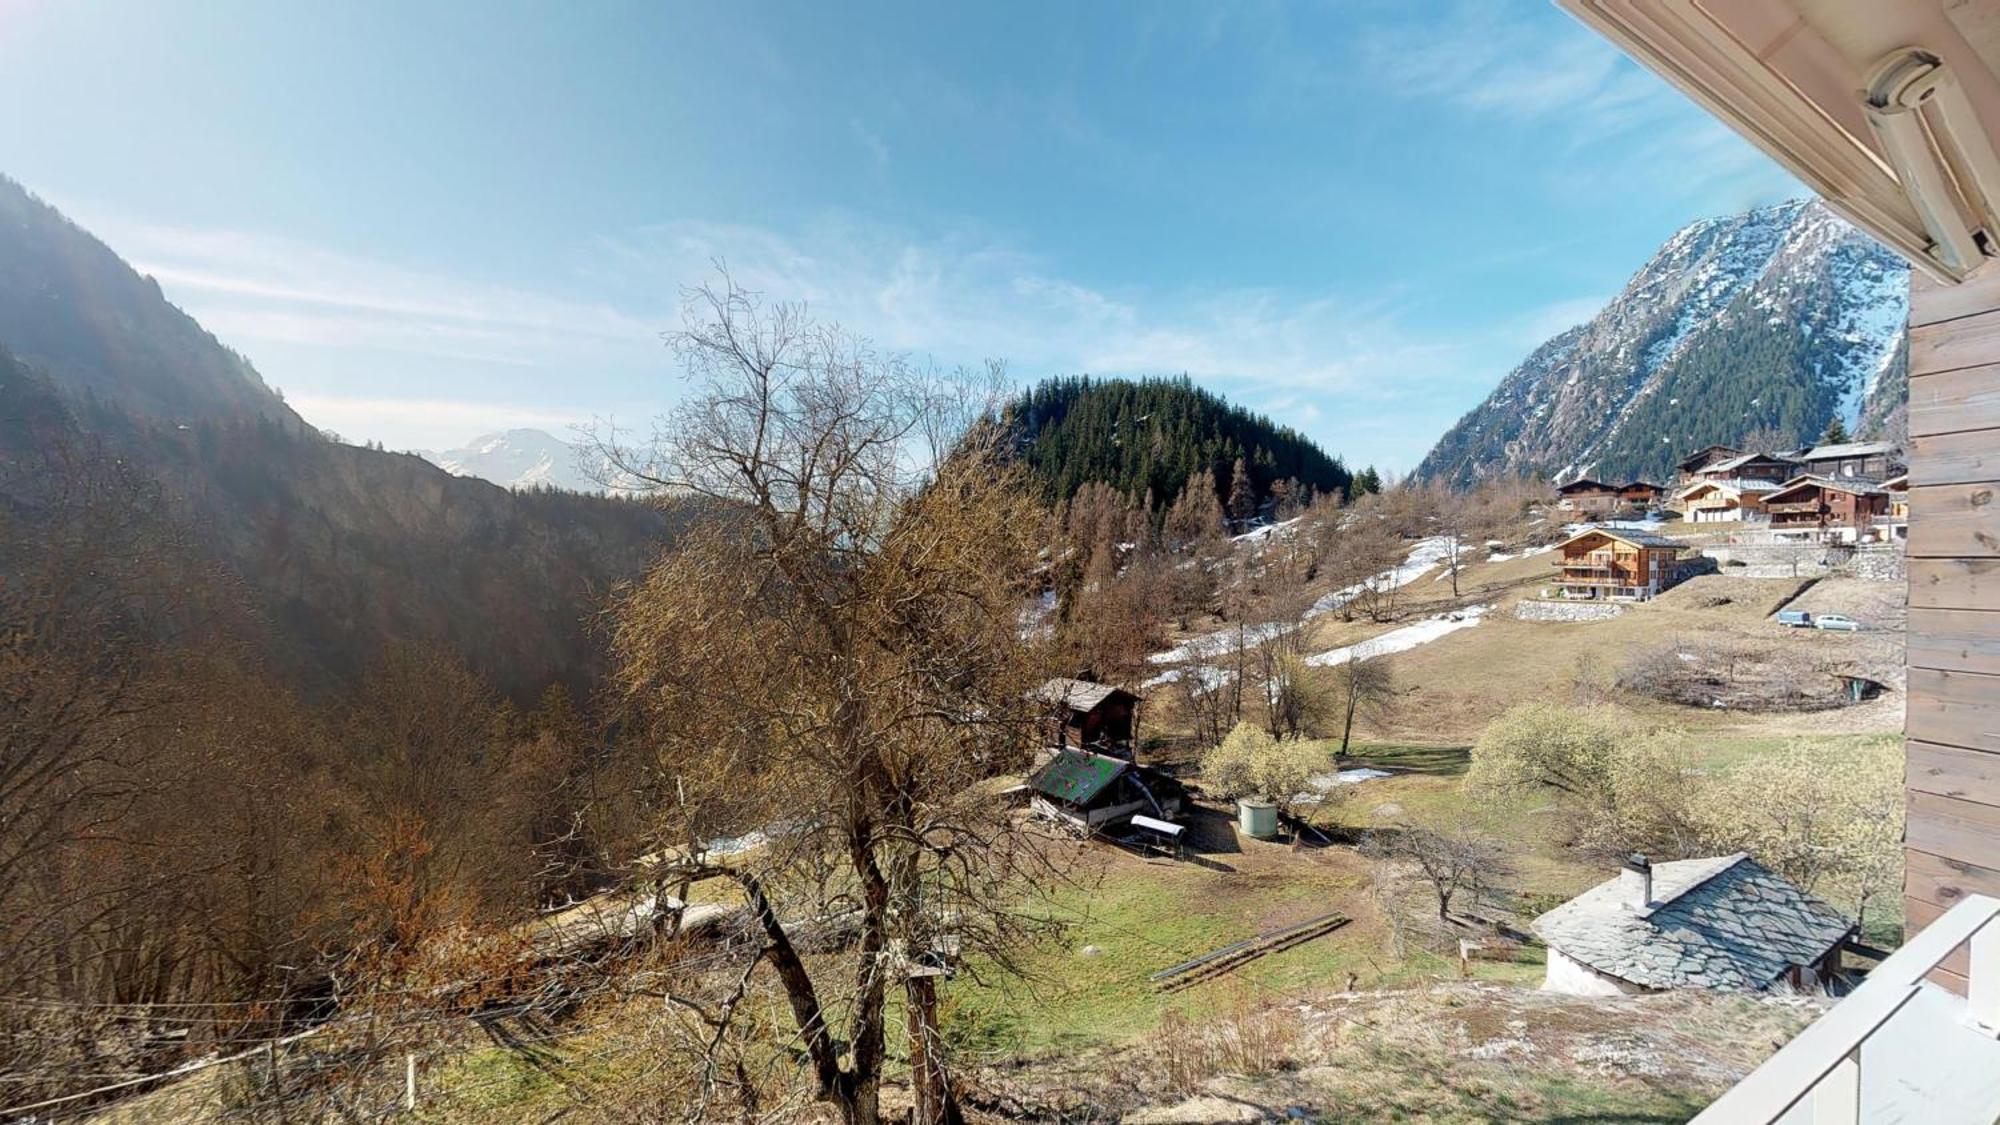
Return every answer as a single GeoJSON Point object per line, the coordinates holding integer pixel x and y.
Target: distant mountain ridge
{"type": "Point", "coordinates": [519, 458]}
{"type": "Point", "coordinates": [1771, 322]}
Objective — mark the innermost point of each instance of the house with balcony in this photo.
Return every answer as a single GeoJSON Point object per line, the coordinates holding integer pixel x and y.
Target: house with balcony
{"type": "Point", "coordinates": [1722, 501]}
{"type": "Point", "coordinates": [1889, 110]}
{"type": "Point", "coordinates": [1853, 460]}
{"type": "Point", "coordinates": [1814, 509]}
{"type": "Point", "coordinates": [1606, 563]}
{"type": "Point", "coordinates": [1769, 467]}
{"type": "Point", "coordinates": [1588, 497]}
{"type": "Point", "coordinates": [1692, 465]}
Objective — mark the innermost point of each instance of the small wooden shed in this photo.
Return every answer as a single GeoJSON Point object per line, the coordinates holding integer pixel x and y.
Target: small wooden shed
{"type": "Point", "coordinates": [1091, 716]}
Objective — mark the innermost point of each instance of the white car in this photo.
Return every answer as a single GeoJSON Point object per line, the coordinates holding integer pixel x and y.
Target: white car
{"type": "Point", "coordinates": [1835, 621]}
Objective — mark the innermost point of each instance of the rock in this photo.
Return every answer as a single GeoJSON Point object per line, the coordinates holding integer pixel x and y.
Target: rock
{"type": "Point", "coordinates": [1090, 951]}
{"type": "Point", "coordinates": [1388, 809]}
{"type": "Point", "coordinates": [1203, 1110]}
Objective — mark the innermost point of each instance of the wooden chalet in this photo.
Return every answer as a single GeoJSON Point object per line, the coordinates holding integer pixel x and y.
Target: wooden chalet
{"type": "Point", "coordinates": [1096, 792]}
{"type": "Point", "coordinates": [1853, 460]}
{"type": "Point", "coordinates": [1694, 463]}
{"type": "Point", "coordinates": [1594, 497]}
{"type": "Point", "coordinates": [1751, 466]}
{"type": "Point", "coordinates": [1716, 501]}
{"type": "Point", "coordinates": [1090, 716]}
{"type": "Point", "coordinates": [1821, 509]}
{"type": "Point", "coordinates": [1898, 488]}
{"type": "Point", "coordinates": [1609, 563]}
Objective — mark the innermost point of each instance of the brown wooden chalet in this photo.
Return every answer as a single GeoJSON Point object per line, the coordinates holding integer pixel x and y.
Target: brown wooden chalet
{"type": "Point", "coordinates": [1822, 509]}
{"type": "Point", "coordinates": [1594, 497]}
{"type": "Point", "coordinates": [1751, 466]}
{"type": "Point", "coordinates": [1692, 466]}
{"type": "Point", "coordinates": [1854, 460]}
{"type": "Point", "coordinates": [1607, 563]}
{"type": "Point", "coordinates": [1089, 715]}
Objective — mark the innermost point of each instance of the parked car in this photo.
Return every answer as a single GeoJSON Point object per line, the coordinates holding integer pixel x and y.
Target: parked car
{"type": "Point", "coordinates": [1836, 621]}
{"type": "Point", "coordinates": [1795, 618]}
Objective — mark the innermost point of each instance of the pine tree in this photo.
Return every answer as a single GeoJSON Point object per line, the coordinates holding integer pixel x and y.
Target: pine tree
{"type": "Point", "coordinates": [1242, 495]}
{"type": "Point", "coordinates": [1836, 432]}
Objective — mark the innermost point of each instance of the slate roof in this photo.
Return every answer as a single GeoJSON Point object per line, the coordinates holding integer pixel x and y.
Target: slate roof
{"type": "Point", "coordinates": [1584, 484]}
{"type": "Point", "coordinates": [1077, 695]}
{"type": "Point", "coordinates": [1636, 538]}
{"type": "Point", "coordinates": [1845, 449]}
{"type": "Point", "coordinates": [1745, 459]}
{"type": "Point", "coordinates": [1725, 922]}
{"type": "Point", "coordinates": [1077, 776]}
{"type": "Point", "coordinates": [1854, 485]}
{"type": "Point", "coordinates": [1701, 457]}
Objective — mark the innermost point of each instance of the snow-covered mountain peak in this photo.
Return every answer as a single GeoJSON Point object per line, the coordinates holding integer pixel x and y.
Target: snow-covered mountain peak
{"type": "Point", "coordinates": [1777, 319]}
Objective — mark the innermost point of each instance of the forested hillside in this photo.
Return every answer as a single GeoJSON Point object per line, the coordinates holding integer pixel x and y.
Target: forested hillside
{"type": "Point", "coordinates": [1148, 438]}
{"type": "Point", "coordinates": [340, 550]}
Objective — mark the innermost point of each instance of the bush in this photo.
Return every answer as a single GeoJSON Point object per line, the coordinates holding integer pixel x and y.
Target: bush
{"type": "Point", "coordinates": [1250, 763]}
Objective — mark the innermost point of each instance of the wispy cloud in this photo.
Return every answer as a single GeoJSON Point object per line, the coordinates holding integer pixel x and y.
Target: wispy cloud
{"type": "Point", "coordinates": [380, 350]}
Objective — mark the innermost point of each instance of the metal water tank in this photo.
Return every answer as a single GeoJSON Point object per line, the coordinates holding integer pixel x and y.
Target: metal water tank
{"type": "Point", "coordinates": [1257, 818]}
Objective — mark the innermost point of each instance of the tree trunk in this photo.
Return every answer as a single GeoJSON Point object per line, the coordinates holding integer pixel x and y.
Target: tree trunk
{"type": "Point", "coordinates": [935, 1102]}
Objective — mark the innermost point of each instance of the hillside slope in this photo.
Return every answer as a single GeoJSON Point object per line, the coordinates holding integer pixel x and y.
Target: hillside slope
{"type": "Point", "coordinates": [1775, 320]}
{"type": "Point", "coordinates": [342, 550]}
{"type": "Point", "coordinates": [1150, 437]}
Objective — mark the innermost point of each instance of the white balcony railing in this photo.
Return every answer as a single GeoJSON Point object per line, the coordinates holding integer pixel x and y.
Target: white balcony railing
{"type": "Point", "coordinates": [1822, 1067]}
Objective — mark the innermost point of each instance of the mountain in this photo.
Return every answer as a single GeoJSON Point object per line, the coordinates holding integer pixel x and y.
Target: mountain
{"type": "Point", "coordinates": [1151, 436]}
{"type": "Point", "coordinates": [337, 551]}
{"type": "Point", "coordinates": [518, 459]}
{"type": "Point", "coordinates": [1771, 323]}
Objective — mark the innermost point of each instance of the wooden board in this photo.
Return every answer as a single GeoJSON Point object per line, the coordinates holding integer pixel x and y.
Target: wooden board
{"type": "Point", "coordinates": [1954, 708]}
{"type": "Point", "coordinates": [1954, 583]}
{"type": "Point", "coordinates": [1960, 458]}
{"type": "Point", "coordinates": [1955, 401]}
{"type": "Point", "coordinates": [1932, 302]}
{"type": "Point", "coordinates": [1966, 831]}
{"type": "Point", "coordinates": [1955, 520]}
{"type": "Point", "coordinates": [1942, 882]}
{"type": "Point", "coordinates": [1951, 971]}
{"type": "Point", "coordinates": [1953, 771]}
{"type": "Point", "coordinates": [1967, 341]}
{"type": "Point", "coordinates": [1955, 640]}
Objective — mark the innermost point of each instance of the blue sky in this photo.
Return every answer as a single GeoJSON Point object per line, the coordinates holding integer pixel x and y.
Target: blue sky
{"type": "Point", "coordinates": [424, 221]}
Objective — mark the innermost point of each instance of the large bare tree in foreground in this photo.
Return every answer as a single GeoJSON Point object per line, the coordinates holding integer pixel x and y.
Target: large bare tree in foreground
{"type": "Point", "coordinates": [835, 660]}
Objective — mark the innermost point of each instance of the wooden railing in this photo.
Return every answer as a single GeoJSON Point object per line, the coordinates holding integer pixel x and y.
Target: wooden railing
{"type": "Point", "coordinates": [1822, 1064]}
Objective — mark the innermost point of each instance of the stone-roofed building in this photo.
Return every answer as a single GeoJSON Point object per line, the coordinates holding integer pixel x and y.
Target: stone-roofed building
{"type": "Point", "coordinates": [1091, 716]}
{"type": "Point", "coordinates": [1725, 922]}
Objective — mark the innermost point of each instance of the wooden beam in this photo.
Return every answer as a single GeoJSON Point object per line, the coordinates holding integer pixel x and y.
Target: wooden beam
{"type": "Point", "coordinates": [1965, 831]}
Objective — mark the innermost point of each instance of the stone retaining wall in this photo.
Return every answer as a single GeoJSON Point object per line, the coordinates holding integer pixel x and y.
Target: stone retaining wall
{"type": "Point", "coordinates": [1532, 610]}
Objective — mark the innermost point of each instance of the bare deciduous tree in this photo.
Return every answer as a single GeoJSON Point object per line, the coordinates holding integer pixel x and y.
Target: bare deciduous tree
{"type": "Point", "coordinates": [836, 661]}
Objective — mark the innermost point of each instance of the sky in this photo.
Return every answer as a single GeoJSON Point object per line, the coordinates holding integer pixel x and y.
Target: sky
{"type": "Point", "coordinates": [424, 221]}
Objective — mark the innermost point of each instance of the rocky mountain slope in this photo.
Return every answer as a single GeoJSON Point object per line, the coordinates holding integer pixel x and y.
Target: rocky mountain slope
{"type": "Point", "coordinates": [339, 550]}
{"type": "Point", "coordinates": [1772, 322]}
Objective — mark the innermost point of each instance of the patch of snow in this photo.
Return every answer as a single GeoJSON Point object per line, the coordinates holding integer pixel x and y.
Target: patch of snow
{"type": "Point", "coordinates": [1403, 639]}
{"type": "Point", "coordinates": [1425, 555]}
{"type": "Point", "coordinates": [1210, 645]}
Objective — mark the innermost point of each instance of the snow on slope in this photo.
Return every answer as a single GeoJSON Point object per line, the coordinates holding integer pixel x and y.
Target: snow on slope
{"type": "Point", "coordinates": [1403, 639]}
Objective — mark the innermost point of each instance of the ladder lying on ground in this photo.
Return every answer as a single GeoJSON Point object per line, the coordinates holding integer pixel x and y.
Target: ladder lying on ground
{"type": "Point", "coordinates": [1208, 966]}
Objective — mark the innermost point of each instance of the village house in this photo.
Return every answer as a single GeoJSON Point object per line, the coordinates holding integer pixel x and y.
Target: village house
{"type": "Point", "coordinates": [1596, 498]}
{"type": "Point", "coordinates": [1898, 488]}
{"type": "Point", "coordinates": [1090, 716]}
{"type": "Point", "coordinates": [1750, 466]}
{"type": "Point", "coordinates": [1821, 509]}
{"type": "Point", "coordinates": [1098, 792]}
{"type": "Point", "coordinates": [1601, 563]}
{"type": "Point", "coordinates": [1690, 467]}
{"type": "Point", "coordinates": [1854, 460]}
{"type": "Point", "coordinates": [1725, 922]}
{"type": "Point", "coordinates": [1717, 501]}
